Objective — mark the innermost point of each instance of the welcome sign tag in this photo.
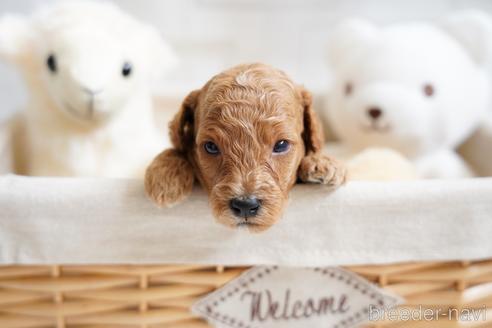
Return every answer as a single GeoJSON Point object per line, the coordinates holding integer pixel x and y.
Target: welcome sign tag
{"type": "Point", "coordinates": [294, 297]}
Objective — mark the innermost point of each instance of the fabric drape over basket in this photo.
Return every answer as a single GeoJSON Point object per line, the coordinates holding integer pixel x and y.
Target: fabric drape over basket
{"type": "Point", "coordinates": [65, 220]}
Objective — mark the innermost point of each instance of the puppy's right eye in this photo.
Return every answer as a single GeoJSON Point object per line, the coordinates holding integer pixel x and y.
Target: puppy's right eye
{"type": "Point", "coordinates": [51, 63]}
{"type": "Point", "coordinates": [211, 148]}
{"type": "Point", "coordinates": [281, 146]}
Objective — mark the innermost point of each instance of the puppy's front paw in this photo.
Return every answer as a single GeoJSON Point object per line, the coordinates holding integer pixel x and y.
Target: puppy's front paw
{"type": "Point", "coordinates": [169, 178]}
{"type": "Point", "coordinates": [319, 168]}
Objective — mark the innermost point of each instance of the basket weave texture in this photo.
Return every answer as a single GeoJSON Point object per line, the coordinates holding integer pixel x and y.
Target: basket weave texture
{"type": "Point", "coordinates": [155, 296]}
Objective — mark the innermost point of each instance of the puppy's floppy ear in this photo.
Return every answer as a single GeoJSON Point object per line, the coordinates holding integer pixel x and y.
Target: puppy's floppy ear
{"type": "Point", "coordinates": [181, 128]}
{"type": "Point", "coordinates": [169, 178]}
{"type": "Point", "coordinates": [312, 134]}
{"type": "Point", "coordinates": [315, 167]}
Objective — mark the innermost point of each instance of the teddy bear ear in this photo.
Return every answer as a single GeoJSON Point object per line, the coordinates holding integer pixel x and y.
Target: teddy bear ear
{"type": "Point", "coordinates": [16, 36]}
{"type": "Point", "coordinates": [473, 29]}
{"type": "Point", "coordinates": [351, 35]}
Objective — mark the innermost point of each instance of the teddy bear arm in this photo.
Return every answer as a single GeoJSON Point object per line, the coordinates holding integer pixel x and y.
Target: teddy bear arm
{"type": "Point", "coordinates": [444, 164]}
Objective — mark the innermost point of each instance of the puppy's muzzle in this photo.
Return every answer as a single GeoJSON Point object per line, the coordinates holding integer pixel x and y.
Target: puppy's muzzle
{"type": "Point", "coordinates": [245, 207]}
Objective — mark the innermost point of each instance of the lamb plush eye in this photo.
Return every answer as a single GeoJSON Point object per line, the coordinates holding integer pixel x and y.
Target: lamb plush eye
{"type": "Point", "coordinates": [429, 90]}
{"type": "Point", "coordinates": [348, 89]}
{"type": "Point", "coordinates": [51, 63]}
{"type": "Point", "coordinates": [126, 70]}
{"type": "Point", "coordinates": [281, 146]}
{"type": "Point", "coordinates": [211, 148]}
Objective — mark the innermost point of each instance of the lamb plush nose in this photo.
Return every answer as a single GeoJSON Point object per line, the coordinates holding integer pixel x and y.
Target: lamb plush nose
{"type": "Point", "coordinates": [245, 207]}
{"type": "Point", "coordinates": [91, 92]}
{"type": "Point", "coordinates": [374, 112]}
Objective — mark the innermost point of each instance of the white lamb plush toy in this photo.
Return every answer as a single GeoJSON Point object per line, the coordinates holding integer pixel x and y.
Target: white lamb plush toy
{"type": "Point", "coordinates": [418, 88]}
{"type": "Point", "coordinates": [88, 67]}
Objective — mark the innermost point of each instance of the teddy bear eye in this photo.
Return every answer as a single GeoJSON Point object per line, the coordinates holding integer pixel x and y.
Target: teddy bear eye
{"type": "Point", "coordinates": [51, 63]}
{"type": "Point", "coordinates": [211, 148]}
{"type": "Point", "coordinates": [429, 90]}
{"type": "Point", "coordinates": [348, 89]}
{"type": "Point", "coordinates": [281, 146]}
{"type": "Point", "coordinates": [126, 70]}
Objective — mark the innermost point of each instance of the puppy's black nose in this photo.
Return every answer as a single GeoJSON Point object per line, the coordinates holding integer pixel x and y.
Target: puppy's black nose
{"type": "Point", "coordinates": [374, 112]}
{"type": "Point", "coordinates": [245, 207]}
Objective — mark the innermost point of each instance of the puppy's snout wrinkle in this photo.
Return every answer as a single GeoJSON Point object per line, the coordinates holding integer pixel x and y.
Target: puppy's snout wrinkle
{"type": "Point", "coordinates": [245, 207]}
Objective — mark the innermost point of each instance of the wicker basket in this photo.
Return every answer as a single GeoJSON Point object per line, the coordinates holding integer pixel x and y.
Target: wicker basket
{"type": "Point", "coordinates": [161, 295]}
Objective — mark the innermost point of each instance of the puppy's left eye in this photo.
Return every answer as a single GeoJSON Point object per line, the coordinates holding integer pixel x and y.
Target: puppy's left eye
{"type": "Point", "coordinates": [211, 148]}
{"type": "Point", "coordinates": [126, 70]}
{"type": "Point", "coordinates": [281, 146]}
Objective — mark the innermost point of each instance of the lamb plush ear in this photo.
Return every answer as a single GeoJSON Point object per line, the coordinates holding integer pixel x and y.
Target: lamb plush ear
{"type": "Point", "coordinates": [473, 29]}
{"type": "Point", "coordinates": [349, 36]}
{"type": "Point", "coordinates": [16, 37]}
{"type": "Point", "coordinates": [161, 56]}
{"type": "Point", "coordinates": [169, 178]}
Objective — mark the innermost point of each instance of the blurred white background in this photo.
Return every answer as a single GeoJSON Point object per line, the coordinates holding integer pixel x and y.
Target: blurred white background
{"type": "Point", "coordinates": [210, 35]}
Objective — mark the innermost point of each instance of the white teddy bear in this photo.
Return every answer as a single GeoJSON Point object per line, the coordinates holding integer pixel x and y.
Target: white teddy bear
{"type": "Point", "coordinates": [88, 67]}
{"type": "Point", "coordinates": [418, 88]}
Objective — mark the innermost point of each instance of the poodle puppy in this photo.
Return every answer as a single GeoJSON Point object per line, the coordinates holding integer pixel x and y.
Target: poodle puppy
{"type": "Point", "coordinates": [247, 136]}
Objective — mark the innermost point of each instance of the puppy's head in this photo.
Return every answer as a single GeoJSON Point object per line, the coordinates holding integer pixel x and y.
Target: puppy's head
{"type": "Point", "coordinates": [245, 134]}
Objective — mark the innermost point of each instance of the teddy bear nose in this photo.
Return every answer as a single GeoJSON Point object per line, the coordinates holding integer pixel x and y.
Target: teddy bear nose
{"type": "Point", "coordinates": [245, 207]}
{"type": "Point", "coordinates": [374, 112]}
